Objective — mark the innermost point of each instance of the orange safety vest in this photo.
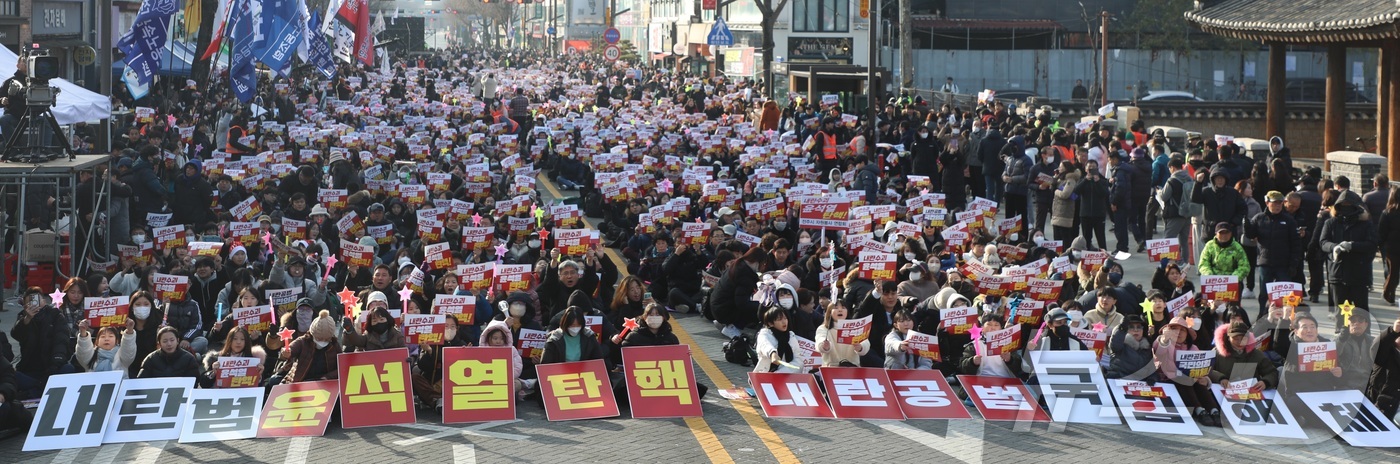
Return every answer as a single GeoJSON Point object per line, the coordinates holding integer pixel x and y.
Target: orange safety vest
{"type": "Point", "coordinates": [228, 145]}
{"type": "Point", "coordinates": [828, 146]}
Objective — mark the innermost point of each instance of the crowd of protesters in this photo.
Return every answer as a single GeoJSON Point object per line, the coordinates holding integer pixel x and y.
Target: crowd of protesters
{"type": "Point", "coordinates": [649, 150]}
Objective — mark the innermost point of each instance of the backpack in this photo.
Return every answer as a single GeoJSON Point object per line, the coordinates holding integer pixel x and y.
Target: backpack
{"type": "Point", "coordinates": [739, 350]}
{"type": "Point", "coordinates": [1182, 203]}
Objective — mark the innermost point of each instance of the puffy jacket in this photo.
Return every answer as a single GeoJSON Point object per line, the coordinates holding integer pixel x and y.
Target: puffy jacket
{"type": "Point", "coordinates": [1142, 181]}
{"type": "Point", "coordinates": [1354, 265]}
{"type": "Point", "coordinates": [1093, 197]}
{"type": "Point", "coordinates": [184, 316]}
{"type": "Point", "coordinates": [178, 364]}
{"type": "Point", "coordinates": [43, 342]}
{"type": "Point", "coordinates": [1121, 189]}
{"type": "Point", "coordinates": [145, 187]}
{"type": "Point", "coordinates": [1385, 376]}
{"type": "Point", "coordinates": [588, 346]}
{"type": "Point", "coordinates": [1217, 259]}
{"type": "Point", "coordinates": [1293, 380]}
{"type": "Point", "coordinates": [1128, 363]}
{"type": "Point", "coordinates": [1227, 360]}
{"type": "Point", "coordinates": [990, 152]}
{"type": "Point", "coordinates": [1170, 196]}
{"type": "Point", "coordinates": [302, 350]}
{"type": "Point", "coordinates": [730, 298]}
{"type": "Point", "coordinates": [391, 338]}
{"type": "Point", "coordinates": [190, 202]}
{"type": "Point", "coordinates": [1279, 243]}
{"type": "Point", "coordinates": [1062, 211]}
{"type": "Point", "coordinates": [1018, 168]}
{"type": "Point", "coordinates": [1222, 204]}
{"type": "Point", "coordinates": [121, 361]}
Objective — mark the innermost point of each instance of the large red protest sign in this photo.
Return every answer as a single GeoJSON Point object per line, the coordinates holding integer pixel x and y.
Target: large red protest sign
{"type": "Point", "coordinates": [375, 387]}
{"type": "Point", "coordinates": [478, 384]}
{"type": "Point", "coordinates": [171, 237]}
{"type": "Point", "coordinates": [1002, 399]}
{"type": "Point", "coordinates": [576, 390]}
{"type": "Point", "coordinates": [661, 382]}
{"type": "Point", "coordinates": [1044, 289]}
{"type": "Point", "coordinates": [861, 393]}
{"type": "Point", "coordinates": [875, 265]}
{"type": "Point", "coordinates": [237, 372]}
{"type": "Point", "coordinates": [106, 312]}
{"type": "Point", "coordinates": [513, 278]}
{"type": "Point", "coordinates": [476, 277]}
{"type": "Point", "coordinates": [925, 394]}
{"type": "Point", "coordinates": [355, 254]}
{"type": "Point", "coordinates": [574, 242]}
{"type": "Point", "coordinates": [824, 213]}
{"type": "Point", "coordinates": [438, 256]}
{"type": "Point", "coordinates": [301, 409]}
{"type": "Point", "coordinates": [789, 395]}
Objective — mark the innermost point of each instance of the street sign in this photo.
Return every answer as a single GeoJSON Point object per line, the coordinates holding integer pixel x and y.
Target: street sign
{"type": "Point", "coordinates": [550, 31]}
{"type": "Point", "coordinates": [612, 35]}
{"type": "Point", "coordinates": [865, 9]}
{"type": "Point", "coordinates": [84, 55]}
{"type": "Point", "coordinates": [612, 53]}
{"type": "Point", "coordinates": [719, 34]}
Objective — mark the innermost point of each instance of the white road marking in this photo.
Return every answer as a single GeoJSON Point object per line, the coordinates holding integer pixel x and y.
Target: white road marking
{"type": "Point", "coordinates": [464, 454]}
{"type": "Point", "coordinates": [477, 430]}
{"type": "Point", "coordinates": [67, 456]}
{"type": "Point", "coordinates": [297, 450]}
{"type": "Point", "coordinates": [963, 436]}
{"type": "Point", "coordinates": [108, 453]}
{"type": "Point", "coordinates": [150, 452]}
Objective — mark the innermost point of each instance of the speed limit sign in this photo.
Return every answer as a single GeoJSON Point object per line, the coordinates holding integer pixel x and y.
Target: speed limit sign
{"type": "Point", "coordinates": [612, 53]}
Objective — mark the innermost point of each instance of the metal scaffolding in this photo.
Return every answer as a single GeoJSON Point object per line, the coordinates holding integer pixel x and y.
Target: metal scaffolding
{"type": "Point", "coordinates": [20, 183]}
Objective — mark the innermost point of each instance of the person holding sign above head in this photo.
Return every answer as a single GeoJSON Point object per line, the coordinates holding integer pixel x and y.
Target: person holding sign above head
{"type": "Point", "coordinates": [106, 355]}
{"type": "Point", "coordinates": [312, 356]}
{"type": "Point", "coordinates": [1007, 365]}
{"type": "Point", "coordinates": [834, 352]}
{"type": "Point", "coordinates": [380, 332]}
{"type": "Point", "coordinates": [775, 346]}
{"type": "Point", "coordinates": [169, 360]}
{"type": "Point", "coordinates": [42, 333]}
{"type": "Point", "coordinates": [1195, 391]}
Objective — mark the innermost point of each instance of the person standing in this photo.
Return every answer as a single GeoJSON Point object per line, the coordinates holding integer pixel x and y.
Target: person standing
{"type": "Point", "coordinates": [1093, 205]}
{"type": "Point", "coordinates": [1172, 196]}
{"type": "Point", "coordinates": [1280, 245]}
{"type": "Point", "coordinates": [1389, 231]}
{"type": "Point", "coordinates": [1121, 200]}
{"type": "Point", "coordinates": [1349, 244]}
{"type": "Point", "coordinates": [520, 111]}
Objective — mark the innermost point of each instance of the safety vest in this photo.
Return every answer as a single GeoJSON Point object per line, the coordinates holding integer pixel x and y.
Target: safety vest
{"type": "Point", "coordinates": [228, 145]}
{"type": "Point", "coordinates": [1139, 139]}
{"type": "Point", "coordinates": [828, 146]}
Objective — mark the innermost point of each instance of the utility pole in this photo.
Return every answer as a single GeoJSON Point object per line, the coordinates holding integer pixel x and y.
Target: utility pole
{"type": "Point", "coordinates": [906, 45]}
{"type": "Point", "coordinates": [1103, 58]}
{"type": "Point", "coordinates": [873, 59]}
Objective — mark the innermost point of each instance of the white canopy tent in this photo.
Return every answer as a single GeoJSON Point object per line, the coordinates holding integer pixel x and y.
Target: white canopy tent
{"type": "Point", "coordinates": [75, 104]}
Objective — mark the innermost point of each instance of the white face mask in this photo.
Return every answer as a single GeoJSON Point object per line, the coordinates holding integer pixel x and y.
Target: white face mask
{"type": "Point", "coordinates": [517, 309]}
{"type": "Point", "coordinates": [654, 321]}
{"type": "Point", "coordinates": [916, 275]}
{"type": "Point", "coordinates": [804, 241]}
{"type": "Point", "coordinates": [826, 262]}
{"type": "Point", "coordinates": [1014, 237]}
{"type": "Point", "coordinates": [1077, 254]}
{"type": "Point", "coordinates": [534, 244]}
{"type": "Point", "coordinates": [138, 239]}
{"type": "Point", "coordinates": [1195, 323]}
{"type": "Point", "coordinates": [450, 333]}
{"type": "Point", "coordinates": [321, 344]}
{"type": "Point", "coordinates": [909, 255]}
{"type": "Point", "coordinates": [780, 225]}
{"type": "Point", "coordinates": [573, 331]}
{"type": "Point", "coordinates": [923, 135]}
{"type": "Point", "coordinates": [1039, 240]}
{"type": "Point", "coordinates": [141, 312]}
{"type": "Point", "coordinates": [879, 233]}
{"type": "Point", "coordinates": [785, 302]}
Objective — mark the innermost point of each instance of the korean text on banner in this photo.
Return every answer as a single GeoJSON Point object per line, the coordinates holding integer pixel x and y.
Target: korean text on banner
{"type": "Point", "coordinates": [661, 382]}
{"type": "Point", "coordinates": [375, 388]}
{"type": "Point", "coordinates": [478, 384]}
{"type": "Point", "coordinates": [576, 390]}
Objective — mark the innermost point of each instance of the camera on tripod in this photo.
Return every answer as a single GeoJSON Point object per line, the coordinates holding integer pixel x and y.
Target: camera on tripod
{"type": "Point", "coordinates": [42, 67]}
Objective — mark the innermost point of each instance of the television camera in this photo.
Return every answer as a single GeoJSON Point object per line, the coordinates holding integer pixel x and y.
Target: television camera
{"type": "Point", "coordinates": [37, 137]}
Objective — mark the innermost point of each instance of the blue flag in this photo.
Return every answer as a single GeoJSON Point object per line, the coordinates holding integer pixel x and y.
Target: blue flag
{"type": "Point", "coordinates": [320, 49]}
{"type": "Point", "coordinates": [281, 33]}
{"type": "Point", "coordinates": [242, 73]}
{"type": "Point", "coordinates": [145, 42]}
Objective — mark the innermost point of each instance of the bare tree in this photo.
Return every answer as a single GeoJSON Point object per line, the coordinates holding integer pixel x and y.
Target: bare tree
{"type": "Point", "coordinates": [770, 17]}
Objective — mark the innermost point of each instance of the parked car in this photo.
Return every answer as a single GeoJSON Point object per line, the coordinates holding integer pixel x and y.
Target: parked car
{"type": "Point", "coordinates": [1169, 95]}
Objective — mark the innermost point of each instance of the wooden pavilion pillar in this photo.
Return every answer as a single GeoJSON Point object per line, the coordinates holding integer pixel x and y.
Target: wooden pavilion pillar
{"type": "Point", "coordinates": [1393, 149]}
{"type": "Point", "coordinates": [1278, 79]}
{"type": "Point", "coordinates": [1334, 135]}
{"type": "Point", "coordinates": [1385, 54]}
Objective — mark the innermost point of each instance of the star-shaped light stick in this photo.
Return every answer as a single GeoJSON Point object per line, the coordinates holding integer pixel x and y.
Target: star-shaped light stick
{"type": "Point", "coordinates": [348, 299]}
{"type": "Point", "coordinates": [1345, 309]}
{"type": "Point", "coordinates": [286, 335]}
{"type": "Point", "coordinates": [56, 298]}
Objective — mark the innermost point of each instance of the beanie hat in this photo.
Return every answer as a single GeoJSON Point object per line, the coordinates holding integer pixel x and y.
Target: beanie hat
{"type": "Point", "coordinates": [323, 327]}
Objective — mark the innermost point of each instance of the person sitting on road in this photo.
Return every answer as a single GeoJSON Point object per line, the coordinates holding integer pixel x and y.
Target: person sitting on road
{"type": "Point", "coordinates": [106, 355]}
{"type": "Point", "coordinates": [898, 355]}
{"type": "Point", "coordinates": [835, 353]}
{"type": "Point", "coordinates": [379, 333]}
{"type": "Point", "coordinates": [775, 346]}
{"type": "Point", "coordinates": [1195, 391]}
{"type": "Point", "coordinates": [310, 357]}
{"type": "Point", "coordinates": [169, 360]}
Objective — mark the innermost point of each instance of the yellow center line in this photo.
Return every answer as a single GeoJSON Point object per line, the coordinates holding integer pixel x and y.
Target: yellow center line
{"type": "Point", "coordinates": [698, 426]}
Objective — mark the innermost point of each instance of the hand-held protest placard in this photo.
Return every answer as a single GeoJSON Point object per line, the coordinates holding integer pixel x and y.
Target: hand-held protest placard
{"type": "Point", "coordinates": [424, 329]}
{"type": "Point", "coordinates": [237, 372]}
{"type": "Point", "coordinates": [1316, 356]}
{"type": "Point", "coordinates": [1194, 364]}
{"type": "Point", "coordinates": [462, 307]}
{"type": "Point", "coordinates": [106, 312]}
{"type": "Point", "coordinates": [923, 345]}
{"type": "Point", "coordinates": [853, 331]}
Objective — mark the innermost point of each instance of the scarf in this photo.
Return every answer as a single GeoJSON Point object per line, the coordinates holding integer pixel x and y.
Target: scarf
{"type": "Point", "coordinates": [102, 361]}
{"type": "Point", "coordinates": [784, 345]}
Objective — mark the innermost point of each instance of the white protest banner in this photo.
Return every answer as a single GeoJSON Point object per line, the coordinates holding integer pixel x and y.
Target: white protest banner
{"type": "Point", "coordinates": [221, 414]}
{"type": "Point", "coordinates": [1073, 387]}
{"type": "Point", "coordinates": [74, 411]}
{"type": "Point", "coordinates": [1349, 414]}
{"type": "Point", "coordinates": [1194, 364]}
{"type": "Point", "coordinates": [149, 409]}
{"type": "Point", "coordinates": [1262, 416]}
{"type": "Point", "coordinates": [1153, 408]}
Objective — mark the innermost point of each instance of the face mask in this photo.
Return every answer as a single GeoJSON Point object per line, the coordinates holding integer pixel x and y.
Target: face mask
{"type": "Point", "coordinates": [916, 275]}
{"type": "Point", "coordinates": [380, 327]}
{"type": "Point", "coordinates": [780, 225]}
{"type": "Point", "coordinates": [138, 239]}
{"type": "Point", "coordinates": [573, 331]}
{"type": "Point", "coordinates": [923, 135]}
{"type": "Point", "coordinates": [517, 309]}
{"type": "Point", "coordinates": [1062, 331]}
{"type": "Point", "coordinates": [879, 233]}
{"type": "Point", "coordinates": [450, 333]}
{"type": "Point", "coordinates": [1115, 277]}
{"type": "Point", "coordinates": [141, 312]}
{"type": "Point", "coordinates": [534, 244]}
{"type": "Point", "coordinates": [785, 302]}
{"type": "Point", "coordinates": [654, 321]}
{"type": "Point", "coordinates": [211, 238]}
{"type": "Point", "coordinates": [1195, 324]}
{"type": "Point", "coordinates": [1077, 254]}
{"type": "Point", "coordinates": [804, 241]}
{"type": "Point", "coordinates": [1014, 237]}
{"type": "Point", "coordinates": [303, 318]}
{"type": "Point", "coordinates": [1039, 240]}
{"type": "Point", "coordinates": [826, 262]}
{"type": "Point", "coordinates": [321, 344]}
{"type": "Point", "coordinates": [909, 255]}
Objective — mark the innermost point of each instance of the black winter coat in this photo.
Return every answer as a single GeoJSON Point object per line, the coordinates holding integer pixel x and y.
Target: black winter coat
{"type": "Point", "coordinates": [1355, 264]}
{"type": "Point", "coordinates": [1385, 376]}
{"type": "Point", "coordinates": [1093, 197]}
{"type": "Point", "coordinates": [1280, 246]}
{"type": "Point", "coordinates": [43, 342]}
{"type": "Point", "coordinates": [158, 364]}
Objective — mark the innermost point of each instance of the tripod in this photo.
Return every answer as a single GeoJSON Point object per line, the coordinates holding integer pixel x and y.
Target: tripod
{"type": "Point", "coordinates": [35, 149]}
